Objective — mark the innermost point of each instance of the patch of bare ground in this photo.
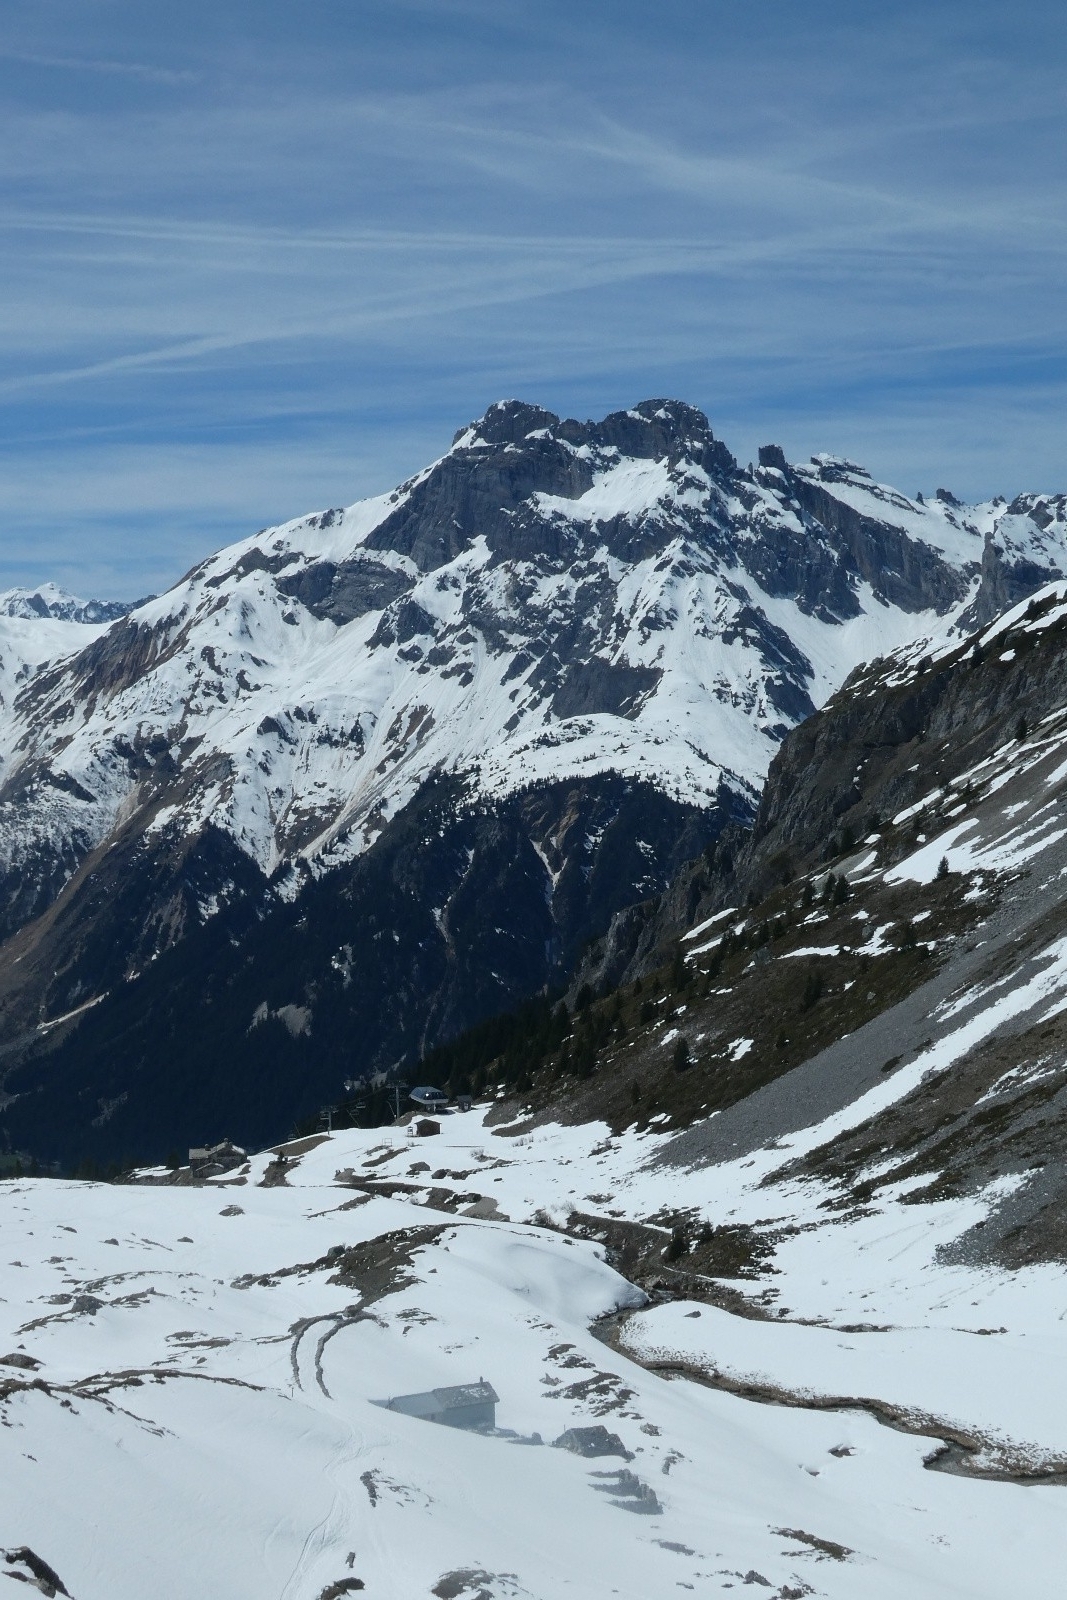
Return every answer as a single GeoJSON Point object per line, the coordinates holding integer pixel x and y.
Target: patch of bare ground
{"type": "Point", "coordinates": [474, 1583]}
{"type": "Point", "coordinates": [699, 1035]}
{"type": "Point", "coordinates": [34, 1570]}
{"type": "Point", "coordinates": [599, 1392]}
{"type": "Point", "coordinates": [1001, 1112]}
{"type": "Point", "coordinates": [812, 1544]}
{"type": "Point", "coordinates": [375, 1268]}
{"type": "Point", "coordinates": [671, 1257]}
{"type": "Point", "coordinates": [384, 1265]}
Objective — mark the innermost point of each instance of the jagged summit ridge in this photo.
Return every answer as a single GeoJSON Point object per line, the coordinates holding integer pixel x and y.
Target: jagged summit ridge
{"type": "Point", "coordinates": [50, 600]}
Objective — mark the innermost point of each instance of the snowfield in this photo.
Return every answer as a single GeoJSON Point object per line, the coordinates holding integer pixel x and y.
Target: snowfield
{"type": "Point", "coordinates": [192, 1383]}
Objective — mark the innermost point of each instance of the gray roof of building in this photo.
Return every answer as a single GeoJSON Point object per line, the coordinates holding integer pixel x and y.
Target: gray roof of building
{"type": "Point", "coordinates": [434, 1401]}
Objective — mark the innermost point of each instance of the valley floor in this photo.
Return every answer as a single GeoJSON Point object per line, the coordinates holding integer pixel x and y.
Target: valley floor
{"type": "Point", "coordinates": [191, 1382]}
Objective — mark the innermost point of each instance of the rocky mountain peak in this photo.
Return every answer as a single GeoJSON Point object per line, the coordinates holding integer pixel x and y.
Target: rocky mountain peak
{"type": "Point", "coordinates": [651, 430]}
{"type": "Point", "coordinates": [654, 430]}
{"type": "Point", "coordinates": [567, 647]}
{"type": "Point", "coordinates": [506, 422]}
{"type": "Point", "coordinates": [773, 456]}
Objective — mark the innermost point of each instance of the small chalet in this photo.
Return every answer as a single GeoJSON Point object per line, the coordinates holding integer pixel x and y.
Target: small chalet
{"type": "Point", "coordinates": [466, 1405]}
{"type": "Point", "coordinates": [210, 1160]}
{"type": "Point", "coordinates": [428, 1099]}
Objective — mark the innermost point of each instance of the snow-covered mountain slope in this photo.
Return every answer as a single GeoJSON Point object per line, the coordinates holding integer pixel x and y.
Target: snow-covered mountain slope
{"type": "Point", "coordinates": [434, 741]}
{"type": "Point", "coordinates": [883, 1008]}
{"type": "Point", "coordinates": [192, 1378]}
{"type": "Point", "coordinates": [28, 645]}
{"type": "Point", "coordinates": [549, 600]}
{"type": "Point", "coordinates": [40, 628]}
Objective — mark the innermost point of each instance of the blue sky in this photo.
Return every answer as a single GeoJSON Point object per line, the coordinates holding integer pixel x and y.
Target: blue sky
{"type": "Point", "coordinates": [262, 258]}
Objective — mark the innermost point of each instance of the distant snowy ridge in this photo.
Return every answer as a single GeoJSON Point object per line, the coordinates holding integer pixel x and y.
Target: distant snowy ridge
{"type": "Point", "coordinates": [49, 600]}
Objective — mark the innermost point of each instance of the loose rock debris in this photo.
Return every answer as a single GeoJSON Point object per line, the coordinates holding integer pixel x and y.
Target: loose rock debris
{"type": "Point", "coordinates": [37, 1573]}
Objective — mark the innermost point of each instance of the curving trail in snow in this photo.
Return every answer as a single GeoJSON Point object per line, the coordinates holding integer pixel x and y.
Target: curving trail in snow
{"type": "Point", "coordinates": [284, 1464]}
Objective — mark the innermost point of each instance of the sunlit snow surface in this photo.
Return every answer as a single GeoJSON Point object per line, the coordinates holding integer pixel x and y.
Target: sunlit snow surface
{"type": "Point", "coordinates": [198, 1423]}
{"type": "Point", "coordinates": [28, 643]}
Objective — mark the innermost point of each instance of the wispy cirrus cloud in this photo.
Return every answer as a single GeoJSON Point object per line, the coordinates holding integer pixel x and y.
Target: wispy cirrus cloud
{"type": "Point", "coordinates": [323, 233]}
{"type": "Point", "coordinates": [142, 70]}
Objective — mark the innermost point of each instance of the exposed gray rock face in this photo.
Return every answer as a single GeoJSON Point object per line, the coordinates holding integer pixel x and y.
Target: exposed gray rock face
{"type": "Point", "coordinates": [346, 590]}
{"type": "Point", "coordinates": [598, 685]}
{"type": "Point", "coordinates": [1024, 551]}
{"type": "Point", "coordinates": [901, 571]}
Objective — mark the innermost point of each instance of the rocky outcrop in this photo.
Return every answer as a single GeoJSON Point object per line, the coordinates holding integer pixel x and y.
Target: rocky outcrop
{"type": "Point", "coordinates": [343, 591]}
{"type": "Point", "coordinates": [901, 571]}
{"type": "Point", "coordinates": [1023, 552]}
